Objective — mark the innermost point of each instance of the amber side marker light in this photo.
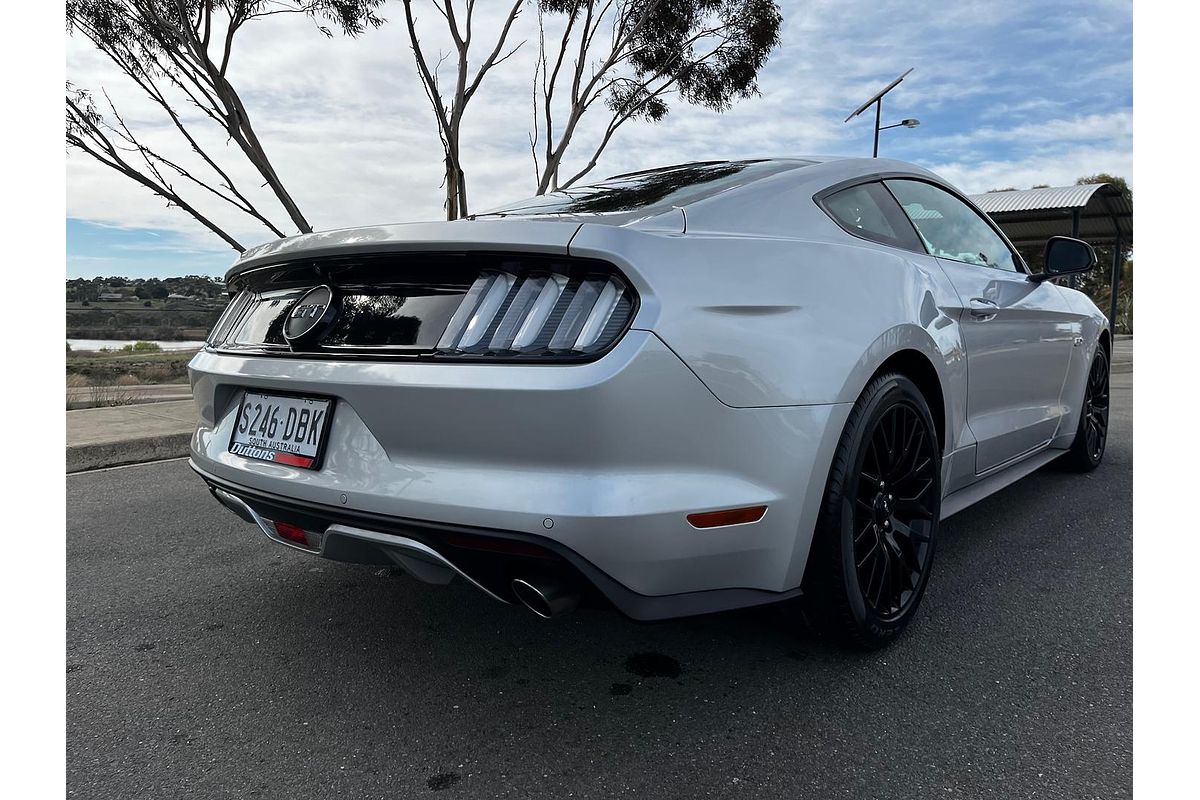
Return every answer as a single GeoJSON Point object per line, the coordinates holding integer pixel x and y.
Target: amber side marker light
{"type": "Point", "coordinates": [732, 516]}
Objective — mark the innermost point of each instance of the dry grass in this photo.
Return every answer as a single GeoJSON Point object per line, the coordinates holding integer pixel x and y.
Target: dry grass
{"type": "Point", "coordinates": [158, 373]}
{"type": "Point", "coordinates": [166, 367]}
{"type": "Point", "coordinates": [113, 394]}
{"type": "Point", "coordinates": [128, 379]}
{"type": "Point", "coordinates": [76, 381]}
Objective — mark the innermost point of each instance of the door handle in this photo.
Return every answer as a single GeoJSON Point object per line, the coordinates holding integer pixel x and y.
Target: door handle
{"type": "Point", "coordinates": [983, 307]}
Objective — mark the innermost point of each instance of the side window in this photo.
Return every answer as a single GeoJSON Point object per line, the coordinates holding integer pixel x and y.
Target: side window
{"type": "Point", "coordinates": [867, 210]}
{"type": "Point", "coordinates": [950, 228]}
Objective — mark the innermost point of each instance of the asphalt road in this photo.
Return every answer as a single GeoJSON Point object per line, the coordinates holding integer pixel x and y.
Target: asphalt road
{"type": "Point", "coordinates": [204, 661]}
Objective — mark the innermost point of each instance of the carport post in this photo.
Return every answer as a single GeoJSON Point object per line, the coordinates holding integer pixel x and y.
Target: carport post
{"type": "Point", "coordinates": [1116, 285]}
{"type": "Point", "coordinates": [1074, 235]}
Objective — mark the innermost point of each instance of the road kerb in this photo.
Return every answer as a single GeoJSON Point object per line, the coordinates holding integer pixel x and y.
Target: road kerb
{"type": "Point", "coordinates": [128, 451]}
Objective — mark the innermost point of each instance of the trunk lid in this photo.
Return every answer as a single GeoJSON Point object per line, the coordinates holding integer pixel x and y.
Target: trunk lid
{"type": "Point", "coordinates": [528, 236]}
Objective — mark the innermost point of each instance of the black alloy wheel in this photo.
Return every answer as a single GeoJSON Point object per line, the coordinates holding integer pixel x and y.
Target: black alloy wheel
{"type": "Point", "coordinates": [1087, 451]}
{"type": "Point", "coordinates": [873, 547]}
{"type": "Point", "coordinates": [893, 511]}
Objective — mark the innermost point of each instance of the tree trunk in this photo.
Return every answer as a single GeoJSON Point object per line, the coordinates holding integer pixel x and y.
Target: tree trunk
{"type": "Point", "coordinates": [462, 194]}
{"type": "Point", "coordinates": [451, 190]}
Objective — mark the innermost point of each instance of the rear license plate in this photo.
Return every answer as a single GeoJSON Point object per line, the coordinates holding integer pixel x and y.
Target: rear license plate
{"type": "Point", "coordinates": [283, 429]}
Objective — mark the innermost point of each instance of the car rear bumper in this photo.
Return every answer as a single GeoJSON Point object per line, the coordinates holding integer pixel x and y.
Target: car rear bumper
{"type": "Point", "coordinates": [489, 560]}
{"type": "Point", "coordinates": [598, 464]}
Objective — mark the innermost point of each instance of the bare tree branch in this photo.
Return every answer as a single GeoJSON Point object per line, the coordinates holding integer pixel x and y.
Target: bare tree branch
{"type": "Point", "coordinates": [491, 60]}
{"type": "Point", "coordinates": [235, 196]}
{"type": "Point", "coordinates": [701, 52]}
{"type": "Point", "coordinates": [86, 135]}
{"type": "Point", "coordinates": [449, 106]}
{"type": "Point", "coordinates": [187, 46]}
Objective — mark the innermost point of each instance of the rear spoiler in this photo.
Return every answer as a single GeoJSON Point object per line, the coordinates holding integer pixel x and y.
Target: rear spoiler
{"type": "Point", "coordinates": [528, 236]}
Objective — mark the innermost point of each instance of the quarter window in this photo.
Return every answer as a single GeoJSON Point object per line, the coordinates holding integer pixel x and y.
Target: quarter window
{"type": "Point", "coordinates": [867, 210]}
{"type": "Point", "coordinates": [949, 228]}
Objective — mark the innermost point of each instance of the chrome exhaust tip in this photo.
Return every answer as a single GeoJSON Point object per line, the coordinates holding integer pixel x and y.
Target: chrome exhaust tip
{"type": "Point", "coordinates": [546, 598]}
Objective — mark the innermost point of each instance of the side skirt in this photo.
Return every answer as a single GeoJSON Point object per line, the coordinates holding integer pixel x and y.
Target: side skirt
{"type": "Point", "coordinates": [968, 496]}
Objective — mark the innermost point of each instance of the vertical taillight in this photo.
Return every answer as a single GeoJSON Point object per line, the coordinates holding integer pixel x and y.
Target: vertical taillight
{"type": "Point", "coordinates": [491, 307]}
{"type": "Point", "coordinates": [233, 312]}
{"type": "Point", "coordinates": [539, 313]}
{"type": "Point", "coordinates": [535, 298]}
{"type": "Point", "coordinates": [465, 312]}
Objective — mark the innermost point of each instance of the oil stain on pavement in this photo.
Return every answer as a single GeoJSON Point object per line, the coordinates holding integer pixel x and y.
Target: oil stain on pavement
{"type": "Point", "coordinates": [653, 665]}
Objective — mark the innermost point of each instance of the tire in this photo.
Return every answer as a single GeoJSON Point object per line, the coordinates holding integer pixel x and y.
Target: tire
{"type": "Point", "coordinates": [873, 546]}
{"type": "Point", "coordinates": [1091, 436]}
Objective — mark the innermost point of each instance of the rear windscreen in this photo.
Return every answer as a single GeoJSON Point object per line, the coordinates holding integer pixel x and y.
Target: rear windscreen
{"type": "Point", "coordinates": [666, 187]}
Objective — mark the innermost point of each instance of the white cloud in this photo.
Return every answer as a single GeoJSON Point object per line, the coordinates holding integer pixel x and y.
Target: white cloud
{"type": "Point", "coordinates": [1056, 169]}
{"type": "Point", "coordinates": [348, 126]}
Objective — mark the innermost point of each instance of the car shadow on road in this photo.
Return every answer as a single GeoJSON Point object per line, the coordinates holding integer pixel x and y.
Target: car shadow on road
{"type": "Point", "coordinates": [378, 624]}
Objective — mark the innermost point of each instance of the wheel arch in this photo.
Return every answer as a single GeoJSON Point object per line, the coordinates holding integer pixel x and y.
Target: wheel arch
{"type": "Point", "coordinates": [933, 357]}
{"type": "Point", "coordinates": [916, 366]}
{"type": "Point", "coordinates": [933, 360]}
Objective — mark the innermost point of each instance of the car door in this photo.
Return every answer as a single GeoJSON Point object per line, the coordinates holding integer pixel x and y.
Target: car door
{"type": "Point", "coordinates": [1018, 333]}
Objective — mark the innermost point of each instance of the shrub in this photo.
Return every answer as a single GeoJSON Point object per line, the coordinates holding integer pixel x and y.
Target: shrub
{"type": "Point", "coordinates": [128, 380]}
{"type": "Point", "coordinates": [142, 347]}
{"type": "Point", "coordinates": [146, 304]}
{"type": "Point", "coordinates": [76, 381]}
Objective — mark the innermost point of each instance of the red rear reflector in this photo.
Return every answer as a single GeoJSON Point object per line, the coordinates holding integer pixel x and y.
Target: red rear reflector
{"type": "Point", "coordinates": [732, 516]}
{"type": "Point", "coordinates": [293, 460]}
{"type": "Point", "coordinates": [293, 533]}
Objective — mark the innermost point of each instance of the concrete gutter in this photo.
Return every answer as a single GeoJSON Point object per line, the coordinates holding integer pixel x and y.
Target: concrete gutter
{"type": "Point", "coordinates": [110, 437]}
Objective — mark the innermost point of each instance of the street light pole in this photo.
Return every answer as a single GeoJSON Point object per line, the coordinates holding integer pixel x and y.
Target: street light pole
{"type": "Point", "coordinates": [878, 113]}
{"type": "Point", "coordinates": [877, 101]}
{"type": "Point", "coordinates": [904, 123]}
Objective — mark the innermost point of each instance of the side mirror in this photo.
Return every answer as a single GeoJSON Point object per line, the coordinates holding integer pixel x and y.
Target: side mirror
{"type": "Point", "coordinates": [1066, 256]}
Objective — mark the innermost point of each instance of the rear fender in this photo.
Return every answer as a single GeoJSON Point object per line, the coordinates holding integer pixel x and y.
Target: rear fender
{"type": "Point", "coordinates": [778, 321]}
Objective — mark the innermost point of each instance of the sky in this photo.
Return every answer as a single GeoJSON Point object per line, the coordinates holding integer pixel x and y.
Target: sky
{"type": "Point", "coordinates": [1008, 94]}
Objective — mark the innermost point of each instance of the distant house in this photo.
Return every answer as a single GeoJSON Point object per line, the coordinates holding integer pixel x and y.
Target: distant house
{"type": "Point", "coordinates": [110, 296]}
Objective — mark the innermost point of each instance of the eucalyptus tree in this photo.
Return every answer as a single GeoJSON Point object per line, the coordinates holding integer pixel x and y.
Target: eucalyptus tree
{"type": "Point", "coordinates": [180, 51]}
{"type": "Point", "coordinates": [634, 56]}
{"type": "Point", "coordinates": [449, 100]}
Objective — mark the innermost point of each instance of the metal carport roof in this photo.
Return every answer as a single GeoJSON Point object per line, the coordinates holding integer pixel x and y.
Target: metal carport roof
{"type": "Point", "coordinates": [1031, 216]}
{"type": "Point", "coordinates": [1098, 213]}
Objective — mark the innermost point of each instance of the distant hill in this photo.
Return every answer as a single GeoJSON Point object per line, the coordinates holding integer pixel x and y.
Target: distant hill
{"type": "Point", "coordinates": [116, 288]}
{"type": "Point", "coordinates": [183, 308]}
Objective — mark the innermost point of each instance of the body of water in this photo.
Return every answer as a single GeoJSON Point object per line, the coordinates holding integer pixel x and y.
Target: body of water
{"type": "Point", "coordinates": [79, 345]}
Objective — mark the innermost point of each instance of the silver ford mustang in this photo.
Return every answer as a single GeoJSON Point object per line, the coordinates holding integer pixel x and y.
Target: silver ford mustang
{"type": "Point", "coordinates": [677, 391]}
